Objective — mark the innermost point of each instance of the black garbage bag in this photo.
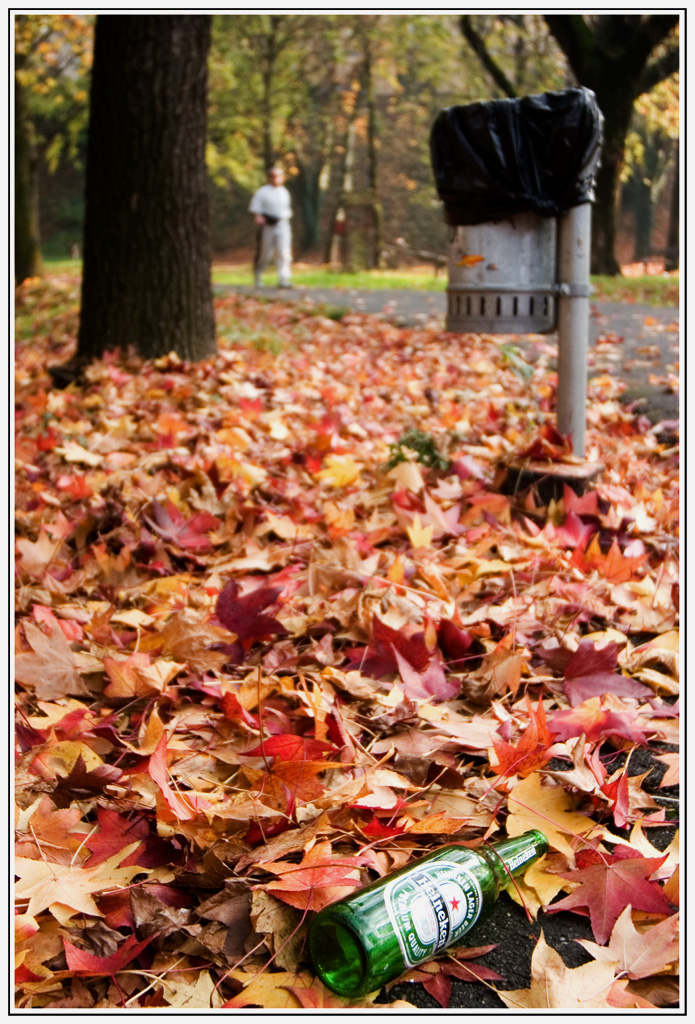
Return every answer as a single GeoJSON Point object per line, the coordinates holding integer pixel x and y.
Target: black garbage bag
{"type": "Point", "coordinates": [540, 153]}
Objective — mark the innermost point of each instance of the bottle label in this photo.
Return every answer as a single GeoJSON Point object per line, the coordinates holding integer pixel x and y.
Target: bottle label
{"type": "Point", "coordinates": [431, 908]}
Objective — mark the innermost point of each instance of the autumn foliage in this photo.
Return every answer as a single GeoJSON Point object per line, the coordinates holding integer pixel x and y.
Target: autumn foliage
{"type": "Point", "coordinates": [257, 668]}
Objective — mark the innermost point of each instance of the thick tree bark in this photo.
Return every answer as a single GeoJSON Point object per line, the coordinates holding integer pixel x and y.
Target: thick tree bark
{"type": "Point", "coordinates": [146, 277]}
{"type": "Point", "coordinates": [27, 245]}
{"type": "Point", "coordinates": [611, 56]}
{"type": "Point", "coordinates": [673, 237]}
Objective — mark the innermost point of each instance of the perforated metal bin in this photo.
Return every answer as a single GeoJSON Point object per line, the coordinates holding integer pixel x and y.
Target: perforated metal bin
{"type": "Point", "coordinates": [502, 276]}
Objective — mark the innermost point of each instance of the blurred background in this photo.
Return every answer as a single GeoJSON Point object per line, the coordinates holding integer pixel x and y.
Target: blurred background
{"type": "Point", "coordinates": [345, 103]}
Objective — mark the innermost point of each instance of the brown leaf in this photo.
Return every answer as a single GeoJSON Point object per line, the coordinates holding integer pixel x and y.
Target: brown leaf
{"type": "Point", "coordinates": [50, 667]}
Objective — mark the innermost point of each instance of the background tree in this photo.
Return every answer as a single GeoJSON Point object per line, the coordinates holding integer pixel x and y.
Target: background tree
{"type": "Point", "coordinates": [52, 57]}
{"type": "Point", "coordinates": [274, 94]}
{"type": "Point", "coordinates": [619, 57]}
{"type": "Point", "coordinates": [651, 161]}
{"type": "Point", "coordinates": [146, 272]}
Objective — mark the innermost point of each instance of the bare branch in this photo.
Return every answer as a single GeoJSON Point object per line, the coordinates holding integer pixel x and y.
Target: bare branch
{"type": "Point", "coordinates": [477, 44]}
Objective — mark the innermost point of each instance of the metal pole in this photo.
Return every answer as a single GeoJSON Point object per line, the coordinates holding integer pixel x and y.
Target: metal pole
{"type": "Point", "coordinates": [574, 243]}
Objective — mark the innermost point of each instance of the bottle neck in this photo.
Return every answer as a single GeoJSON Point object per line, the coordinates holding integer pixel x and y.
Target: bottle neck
{"type": "Point", "coordinates": [511, 857]}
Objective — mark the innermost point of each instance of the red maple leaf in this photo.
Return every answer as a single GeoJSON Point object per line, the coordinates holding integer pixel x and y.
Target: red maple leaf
{"type": "Point", "coordinates": [590, 672]}
{"type": "Point", "coordinates": [436, 977]}
{"type": "Point", "coordinates": [87, 965]}
{"type": "Point", "coordinates": [243, 613]}
{"type": "Point", "coordinates": [580, 504]}
{"type": "Point", "coordinates": [550, 445]}
{"type": "Point", "coordinates": [432, 682]}
{"type": "Point", "coordinates": [453, 642]}
{"type": "Point", "coordinates": [530, 752]}
{"type": "Point", "coordinates": [572, 534]}
{"type": "Point", "coordinates": [115, 833]}
{"type": "Point", "coordinates": [289, 747]}
{"type": "Point", "coordinates": [233, 710]}
{"type": "Point", "coordinates": [405, 651]}
{"type": "Point", "coordinates": [188, 534]}
{"type": "Point", "coordinates": [608, 883]}
{"type": "Point", "coordinates": [596, 723]}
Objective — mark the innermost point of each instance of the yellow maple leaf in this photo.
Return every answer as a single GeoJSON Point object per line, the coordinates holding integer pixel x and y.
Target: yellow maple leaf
{"type": "Point", "coordinates": [339, 519]}
{"type": "Point", "coordinates": [551, 810]}
{"type": "Point", "coordinates": [420, 536]}
{"type": "Point", "coordinates": [339, 471]}
{"type": "Point", "coordinates": [60, 758]}
{"type": "Point", "coordinates": [537, 888]}
{"type": "Point", "coordinates": [73, 452]}
{"type": "Point", "coordinates": [408, 475]}
{"type": "Point", "coordinates": [268, 990]}
{"type": "Point", "coordinates": [65, 889]}
{"type": "Point", "coordinates": [556, 986]}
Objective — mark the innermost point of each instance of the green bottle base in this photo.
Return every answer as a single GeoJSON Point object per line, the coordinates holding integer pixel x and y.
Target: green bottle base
{"type": "Point", "coordinates": [338, 958]}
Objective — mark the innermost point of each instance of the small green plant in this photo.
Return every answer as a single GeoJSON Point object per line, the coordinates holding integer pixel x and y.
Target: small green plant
{"type": "Point", "coordinates": [334, 312]}
{"type": "Point", "coordinates": [423, 445]}
{"type": "Point", "coordinates": [512, 356]}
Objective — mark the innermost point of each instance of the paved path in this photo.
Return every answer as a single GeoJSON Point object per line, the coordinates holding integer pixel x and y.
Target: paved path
{"type": "Point", "coordinates": [637, 343]}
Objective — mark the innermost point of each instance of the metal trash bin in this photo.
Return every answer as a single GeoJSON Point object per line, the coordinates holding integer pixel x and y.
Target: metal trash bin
{"type": "Point", "coordinates": [502, 276]}
{"type": "Point", "coordinates": [516, 178]}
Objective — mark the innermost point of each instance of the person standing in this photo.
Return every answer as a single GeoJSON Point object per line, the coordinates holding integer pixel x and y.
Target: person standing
{"type": "Point", "coordinates": [272, 209]}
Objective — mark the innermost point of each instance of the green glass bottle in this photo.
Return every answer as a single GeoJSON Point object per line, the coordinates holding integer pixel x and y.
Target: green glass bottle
{"type": "Point", "coordinates": [366, 939]}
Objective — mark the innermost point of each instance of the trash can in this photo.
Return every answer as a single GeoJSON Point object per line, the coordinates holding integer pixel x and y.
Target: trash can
{"type": "Point", "coordinates": [516, 180]}
{"type": "Point", "coordinates": [506, 170]}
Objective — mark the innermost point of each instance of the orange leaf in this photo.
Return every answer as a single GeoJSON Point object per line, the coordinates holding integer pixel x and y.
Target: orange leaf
{"type": "Point", "coordinates": [613, 566]}
{"type": "Point", "coordinates": [530, 752]}
{"type": "Point", "coordinates": [317, 881]}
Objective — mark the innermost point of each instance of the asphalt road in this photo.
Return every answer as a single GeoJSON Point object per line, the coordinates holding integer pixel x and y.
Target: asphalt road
{"type": "Point", "coordinates": [638, 344]}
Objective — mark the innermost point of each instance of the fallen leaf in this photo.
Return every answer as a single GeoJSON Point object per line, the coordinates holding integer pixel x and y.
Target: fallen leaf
{"type": "Point", "coordinates": [65, 887]}
{"type": "Point", "coordinates": [87, 965]}
{"type": "Point", "coordinates": [320, 879]}
{"type": "Point", "coordinates": [557, 987]}
{"type": "Point", "coordinates": [608, 883]}
{"type": "Point", "coordinates": [50, 668]}
{"type": "Point", "coordinates": [550, 809]}
{"type": "Point", "coordinates": [638, 954]}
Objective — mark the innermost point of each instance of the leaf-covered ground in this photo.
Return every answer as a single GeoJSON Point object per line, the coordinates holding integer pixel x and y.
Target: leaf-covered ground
{"type": "Point", "coordinates": [280, 630]}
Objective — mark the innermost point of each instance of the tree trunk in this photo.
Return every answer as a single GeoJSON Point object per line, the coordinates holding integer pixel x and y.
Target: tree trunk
{"type": "Point", "coordinates": [27, 246]}
{"type": "Point", "coordinates": [307, 187]}
{"type": "Point", "coordinates": [268, 76]}
{"type": "Point", "coordinates": [603, 259]}
{"type": "Point", "coordinates": [611, 55]}
{"type": "Point", "coordinates": [375, 258]}
{"type": "Point", "coordinates": [146, 277]}
{"type": "Point", "coordinates": [338, 246]}
{"type": "Point", "coordinates": [672, 239]}
{"type": "Point", "coordinates": [643, 206]}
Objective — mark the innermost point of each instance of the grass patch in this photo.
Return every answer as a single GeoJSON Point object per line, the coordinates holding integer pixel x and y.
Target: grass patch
{"type": "Point", "coordinates": [323, 277]}
{"type": "Point", "coordinates": [648, 290]}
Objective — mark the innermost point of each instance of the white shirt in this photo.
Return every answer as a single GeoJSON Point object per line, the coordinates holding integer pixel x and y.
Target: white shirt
{"type": "Point", "coordinates": [273, 200]}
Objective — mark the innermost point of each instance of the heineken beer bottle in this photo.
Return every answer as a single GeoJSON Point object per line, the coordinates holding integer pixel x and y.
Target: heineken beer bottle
{"type": "Point", "coordinates": [372, 936]}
